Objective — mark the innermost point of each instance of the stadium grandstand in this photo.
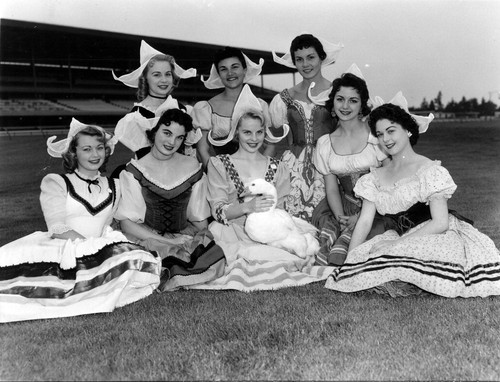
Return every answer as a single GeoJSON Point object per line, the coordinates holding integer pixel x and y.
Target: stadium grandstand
{"type": "Point", "coordinates": [51, 73]}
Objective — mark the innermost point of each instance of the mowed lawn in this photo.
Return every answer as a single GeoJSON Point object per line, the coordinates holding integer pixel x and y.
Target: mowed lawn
{"type": "Point", "coordinates": [303, 333]}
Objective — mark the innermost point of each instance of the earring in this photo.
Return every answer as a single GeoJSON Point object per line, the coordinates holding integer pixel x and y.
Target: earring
{"type": "Point", "coordinates": [409, 134]}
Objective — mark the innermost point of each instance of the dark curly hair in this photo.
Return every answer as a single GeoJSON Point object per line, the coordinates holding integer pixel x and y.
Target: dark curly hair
{"type": "Point", "coordinates": [143, 87]}
{"type": "Point", "coordinates": [228, 52]}
{"type": "Point", "coordinates": [394, 114]}
{"type": "Point", "coordinates": [349, 80]}
{"type": "Point", "coordinates": [169, 116]}
{"type": "Point", "coordinates": [70, 161]}
{"type": "Point", "coordinates": [305, 41]}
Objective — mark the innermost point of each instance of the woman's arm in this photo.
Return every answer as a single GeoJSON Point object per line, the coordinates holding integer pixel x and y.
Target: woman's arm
{"type": "Point", "coordinates": [202, 119]}
{"type": "Point", "coordinates": [333, 195]}
{"type": "Point", "coordinates": [439, 221]}
{"type": "Point", "coordinates": [222, 196]}
{"type": "Point", "coordinates": [198, 209]}
{"type": "Point", "coordinates": [363, 225]}
{"type": "Point", "coordinates": [261, 203]}
{"type": "Point", "coordinates": [137, 231]}
{"type": "Point", "coordinates": [437, 224]}
{"type": "Point", "coordinates": [203, 149]}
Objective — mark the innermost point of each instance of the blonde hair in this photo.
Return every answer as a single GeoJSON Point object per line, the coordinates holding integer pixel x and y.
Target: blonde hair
{"type": "Point", "coordinates": [70, 161]}
{"type": "Point", "coordinates": [143, 87]}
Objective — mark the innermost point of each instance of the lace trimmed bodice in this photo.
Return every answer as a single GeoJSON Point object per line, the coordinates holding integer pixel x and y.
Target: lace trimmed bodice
{"type": "Point", "coordinates": [431, 181]}
{"type": "Point", "coordinates": [327, 161]}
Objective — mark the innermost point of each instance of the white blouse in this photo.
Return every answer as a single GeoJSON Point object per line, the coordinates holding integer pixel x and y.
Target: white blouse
{"type": "Point", "coordinates": [431, 181]}
{"type": "Point", "coordinates": [327, 161]}
{"type": "Point", "coordinates": [62, 212]}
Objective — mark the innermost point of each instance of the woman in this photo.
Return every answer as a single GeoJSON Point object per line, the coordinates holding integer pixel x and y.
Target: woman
{"type": "Point", "coordinates": [80, 266]}
{"type": "Point", "coordinates": [164, 206]}
{"type": "Point", "coordinates": [426, 246]}
{"type": "Point", "coordinates": [308, 120]}
{"type": "Point", "coordinates": [155, 79]}
{"type": "Point", "coordinates": [342, 157]}
{"type": "Point", "coordinates": [251, 265]}
{"type": "Point", "coordinates": [230, 70]}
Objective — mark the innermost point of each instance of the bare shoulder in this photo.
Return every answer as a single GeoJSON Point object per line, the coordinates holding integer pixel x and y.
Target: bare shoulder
{"type": "Point", "coordinates": [422, 161]}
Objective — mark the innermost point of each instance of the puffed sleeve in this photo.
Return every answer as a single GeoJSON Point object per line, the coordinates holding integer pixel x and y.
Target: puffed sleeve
{"type": "Point", "coordinates": [282, 184]}
{"type": "Point", "coordinates": [278, 111]}
{"type": "Point", "coordinates": [322, 155]}
{"type": "Point", "coordinates": [53, 201]}
{"type": "Point", "coordinates": [131, 131]}
{"type": "Point", "coordinates": [218, 189]}
{"type": "Point", "coordinates": [132, 205]}
{"type": "Point", "coordinates": [198, 208]}
{"type": "Point", "coordinates": [380, 155]}
{"type": "Point", "coordinates": [202, 115]}
{"type": "Point", "coordinates": [365, 188]}
{"type": "Point", "coordinates": [435, 183]}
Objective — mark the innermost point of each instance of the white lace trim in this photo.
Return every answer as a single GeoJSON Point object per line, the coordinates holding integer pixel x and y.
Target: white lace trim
{"type": "Point", "coordinates": [145, 173]}
{"type": "Point", "coordinates": [417, 175]}
{"type": "Point", "coordinates": [58, 229]}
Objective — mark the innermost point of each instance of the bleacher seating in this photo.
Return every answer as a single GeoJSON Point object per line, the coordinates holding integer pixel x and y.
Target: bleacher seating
{"type": "Point", "coordinates": [12, 106]}
{"type": "Point", "coordinates": [92, 105]}
{"type": "Point", "coordinates": [125, 104]}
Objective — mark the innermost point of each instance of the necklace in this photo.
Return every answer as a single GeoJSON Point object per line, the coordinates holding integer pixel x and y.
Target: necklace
{"type": "Point", "coordinates": [149, 94]}
{"type": "Point", "coordinates": [89, 182]}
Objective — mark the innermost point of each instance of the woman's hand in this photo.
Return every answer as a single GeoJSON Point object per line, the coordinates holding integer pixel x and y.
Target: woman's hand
{"type": "Point", "coordinates": [261, 203]}
{"type": "Point", "coordinates": [347, 221]}
{"type": "Point", "coordinates": [381, 245]}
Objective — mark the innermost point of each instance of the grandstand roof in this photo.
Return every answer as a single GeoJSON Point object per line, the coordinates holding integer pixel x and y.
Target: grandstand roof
{"type": "Point", "coordinates": [21, 41]}
{"type": "Point", "coordinates": [52, 61]}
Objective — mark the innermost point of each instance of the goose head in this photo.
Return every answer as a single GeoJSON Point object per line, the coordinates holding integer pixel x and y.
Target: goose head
{"type": "Point", "coordinates": [261, 186]}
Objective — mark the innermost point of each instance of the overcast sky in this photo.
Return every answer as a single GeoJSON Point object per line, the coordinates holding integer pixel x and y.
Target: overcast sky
{"type": "Point", "coordinates": [417, 46]}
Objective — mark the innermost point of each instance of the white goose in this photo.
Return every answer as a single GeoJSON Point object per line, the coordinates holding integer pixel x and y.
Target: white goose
{"type": "Point", "coordinates": [277, 227]}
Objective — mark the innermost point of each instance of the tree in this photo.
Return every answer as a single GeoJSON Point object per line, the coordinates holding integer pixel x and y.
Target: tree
{"type": "Point", "coordinates": [487, 107]}
{"type": "Point", "coordinates": [424, 105]}
{"type": "Point", "coordinates": [432, 106]}
{"type": "Point", "coordinates": [438, 101]}
{"type": "Point", "coordinates": [451, 106]}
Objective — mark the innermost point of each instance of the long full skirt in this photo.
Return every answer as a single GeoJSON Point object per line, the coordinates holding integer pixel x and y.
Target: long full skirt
{"type": "Point", "coordinates": [41, 277]}
{"type": "Point", "coordinates": [462, 262]}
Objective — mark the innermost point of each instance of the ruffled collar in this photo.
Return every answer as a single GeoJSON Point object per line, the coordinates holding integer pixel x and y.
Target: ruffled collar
{"type": "Point", "coordinates": [409, 179]}
{"type": "Point", "coordinates": [150, 179]}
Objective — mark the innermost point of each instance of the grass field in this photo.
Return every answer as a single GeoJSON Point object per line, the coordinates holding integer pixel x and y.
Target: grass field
{"type": "Point", "coordinates": [304, 333]}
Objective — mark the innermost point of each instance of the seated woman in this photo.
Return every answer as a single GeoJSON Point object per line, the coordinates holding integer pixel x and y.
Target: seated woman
{"type": "Point", "coordinates": [164, 206]}
{"type": "Point", "coordinates": [80, 266]}
{"type": "Point", "coordinates": [342, 157]}
{"type": "Point", "coordinates": [155, 79]}
{"type": "Point", "coordinates": [425, 246]}
{"type": "Point", "coordinates": [251, 265]}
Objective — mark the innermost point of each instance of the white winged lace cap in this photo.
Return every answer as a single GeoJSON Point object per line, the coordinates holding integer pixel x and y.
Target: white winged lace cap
{"type": "Point", "coordinates": [147, 52]}
{"type": "Point", "coordinates": [253, 70]}
{"type": "Point", "coordinates": [56, 149]}
{"type": "Point", "coordinates": [247, 102]}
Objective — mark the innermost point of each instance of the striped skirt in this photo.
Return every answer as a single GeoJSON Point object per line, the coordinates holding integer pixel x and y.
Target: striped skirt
{"type": "Point", "coordinates": [462, 262]}
{"type": "Point", "coordinates": [107, 273]}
